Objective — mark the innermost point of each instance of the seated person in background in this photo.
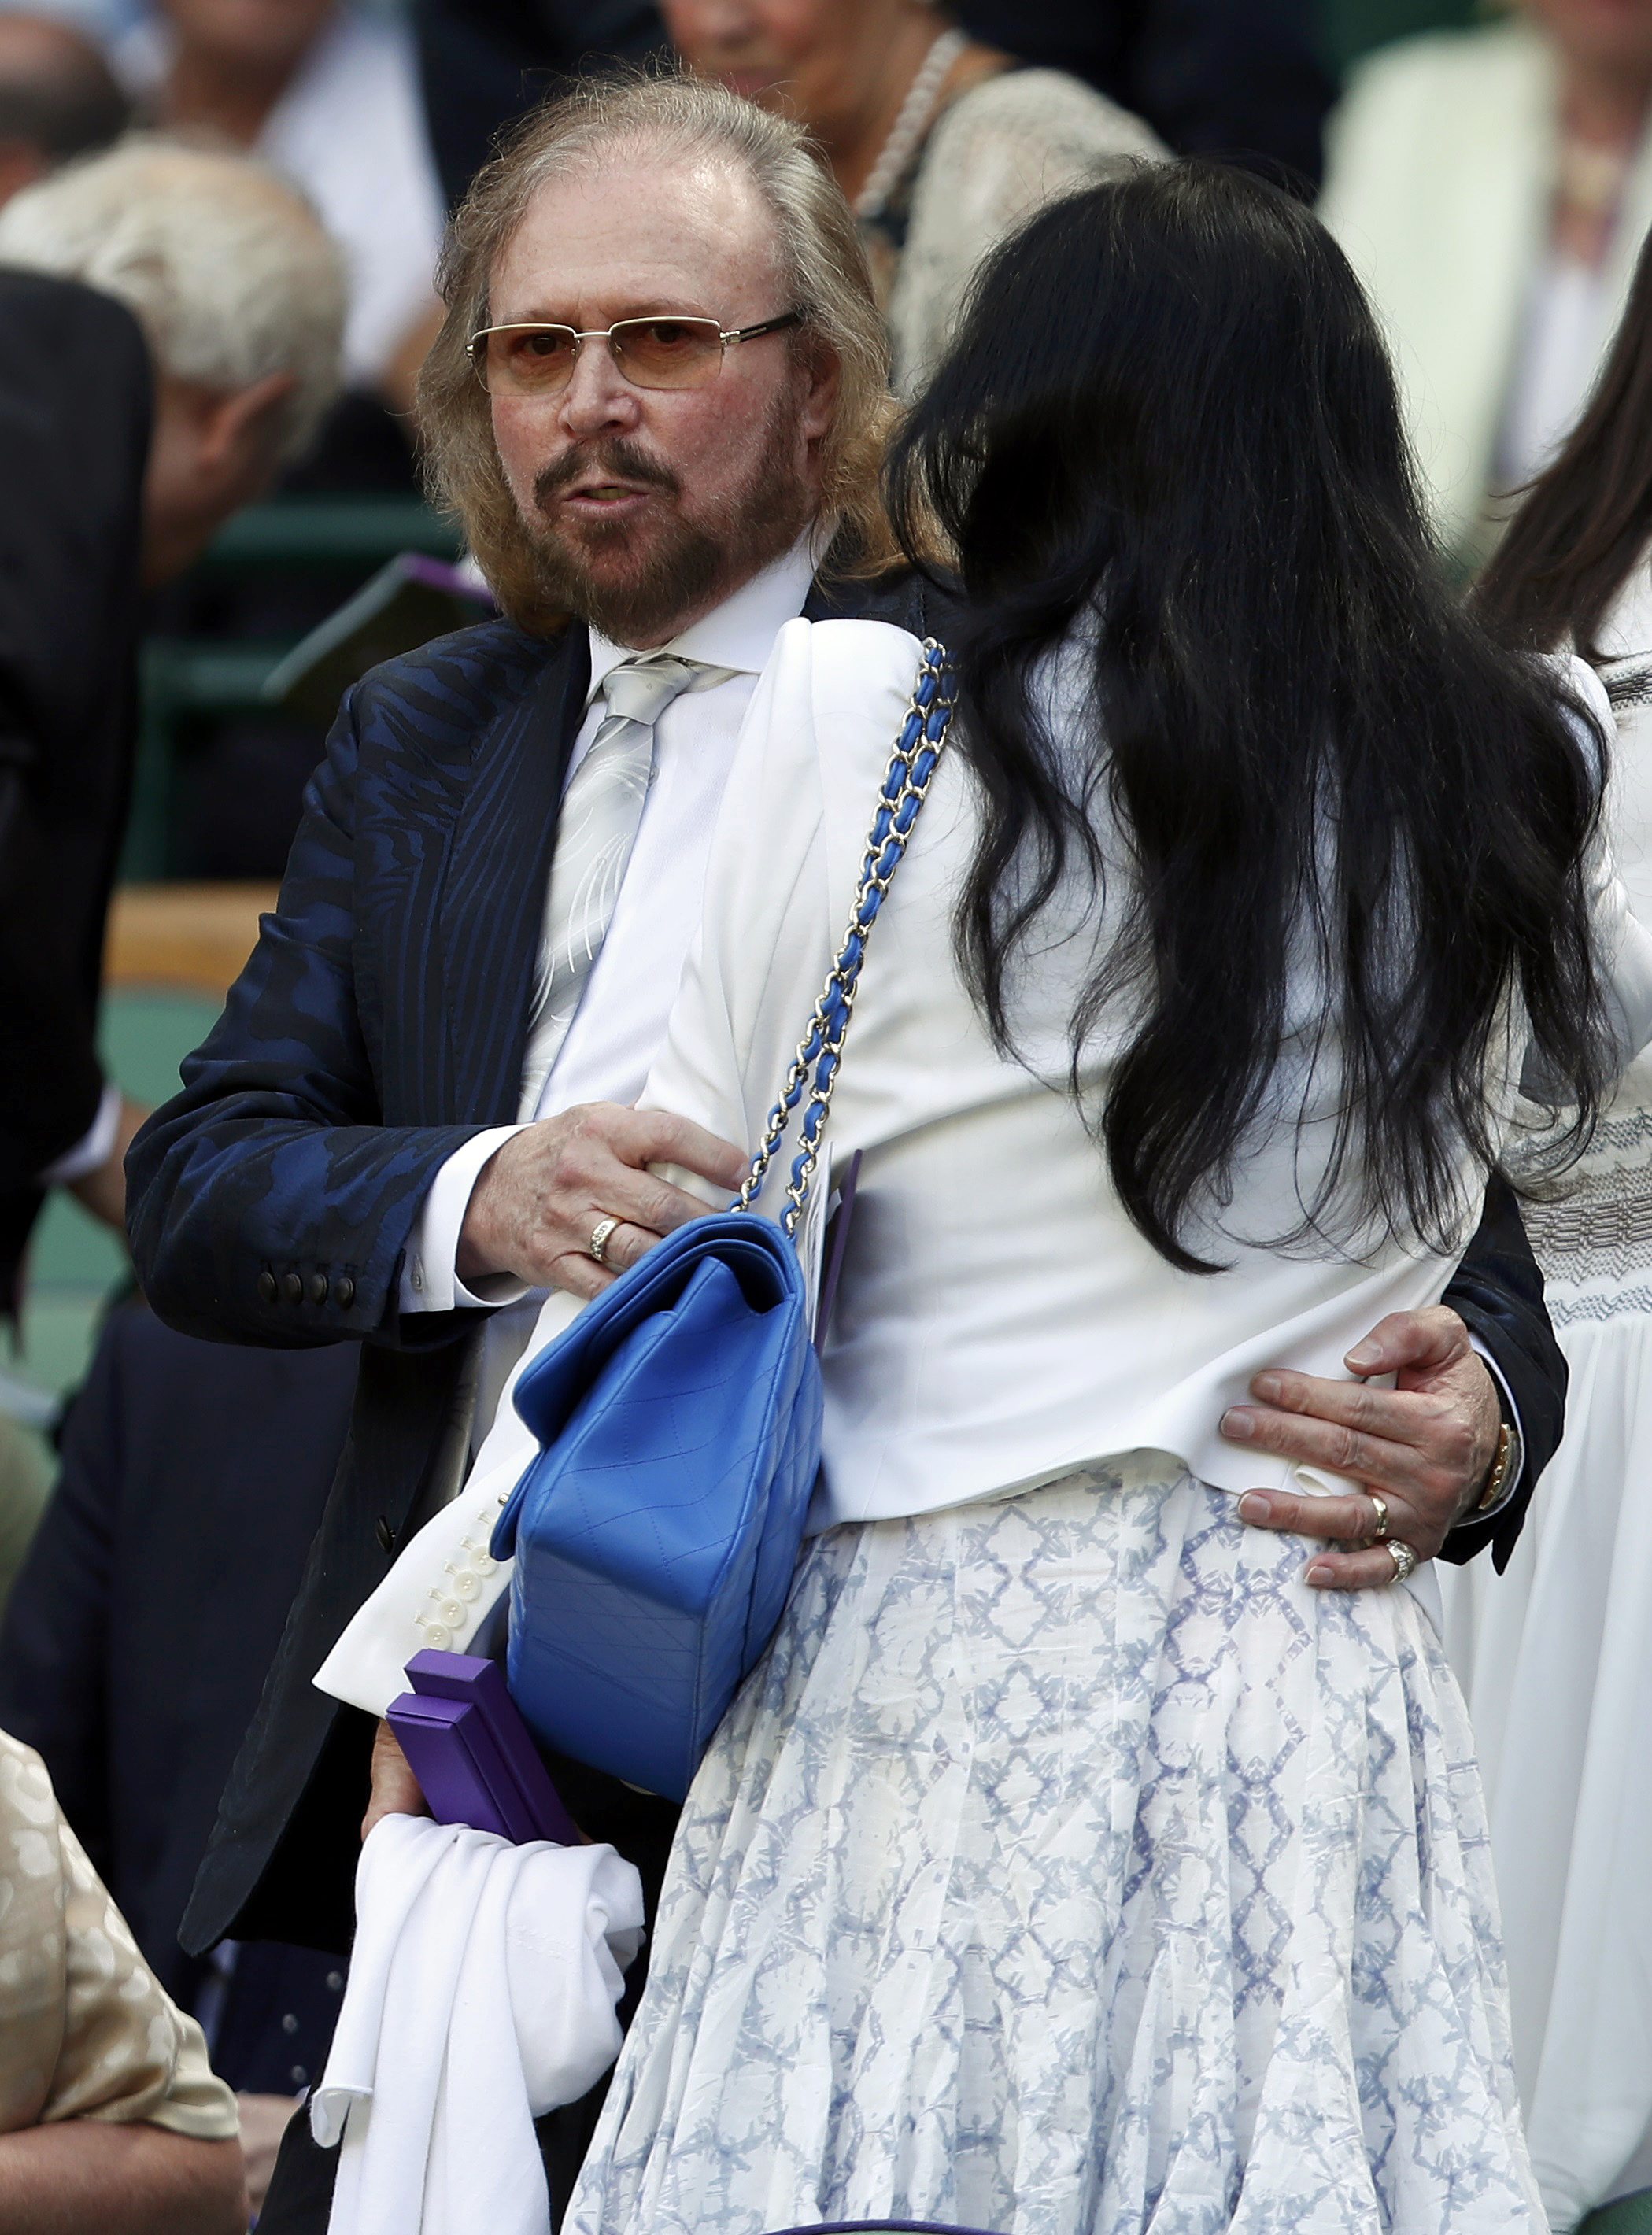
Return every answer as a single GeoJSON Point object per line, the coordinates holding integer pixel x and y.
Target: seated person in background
{"type": "Point", "coordinates": [329, 96]}
{"type": "Point", "coordinates": [111, 2122]}
{"type": "Point", "coordinates": [193, 1476]}
{"type": "Point", "coordinates": [1493, 186]}
{"type": "Point", "coordinates": [130, 429]}
{"type": "Point", "coordinates": [941, 144]}
{"type": "Point", "coordinates": [58, 99]}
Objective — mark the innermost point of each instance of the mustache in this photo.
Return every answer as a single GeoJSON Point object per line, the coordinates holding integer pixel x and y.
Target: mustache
{"type": "Point", "coordinates": [625, 461]}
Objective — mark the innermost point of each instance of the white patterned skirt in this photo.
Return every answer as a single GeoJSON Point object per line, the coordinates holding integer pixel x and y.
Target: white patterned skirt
{"type": "Point", "coordinates": [1069, 1868]}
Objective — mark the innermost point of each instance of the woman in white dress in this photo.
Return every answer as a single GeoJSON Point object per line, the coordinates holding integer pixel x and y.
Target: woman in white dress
{"type": "Point", "coordinates": [1555, 1657]}
{"type": "Point", "coordinates": [1069, 1864]}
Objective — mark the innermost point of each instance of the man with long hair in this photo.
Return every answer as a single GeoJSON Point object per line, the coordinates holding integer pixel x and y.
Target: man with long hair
{"type": "Point", "coordinates": [657, 404]}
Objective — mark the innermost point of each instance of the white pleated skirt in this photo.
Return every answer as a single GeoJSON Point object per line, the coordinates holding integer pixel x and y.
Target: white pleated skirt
{"type": "Point", "coordinates": [1069, 1868]}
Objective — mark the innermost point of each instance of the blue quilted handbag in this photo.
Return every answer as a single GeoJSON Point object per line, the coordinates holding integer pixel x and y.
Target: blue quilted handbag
{"type": "Point", "coordinates": [655, 1534]}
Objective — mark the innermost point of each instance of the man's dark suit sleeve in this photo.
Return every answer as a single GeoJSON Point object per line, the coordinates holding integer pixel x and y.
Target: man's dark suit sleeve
{"type": "Point", "coordinates": [75, 399]}
{"type": "Point", "coordinates": [1498, 1293]}
{"type": "Point", "coordinates": [268, 1202]}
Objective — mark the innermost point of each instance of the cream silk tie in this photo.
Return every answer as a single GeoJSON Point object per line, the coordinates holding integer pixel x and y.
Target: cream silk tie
{"type": "Point", "coordinates": [602, 811]}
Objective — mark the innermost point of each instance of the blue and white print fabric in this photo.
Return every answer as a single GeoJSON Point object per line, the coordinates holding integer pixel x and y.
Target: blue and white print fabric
{"type": "Point", "coordinates": [1069, 1867]}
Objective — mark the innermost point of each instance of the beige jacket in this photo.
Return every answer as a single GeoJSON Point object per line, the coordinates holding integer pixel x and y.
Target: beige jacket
{"type": "Point", "coordinates": [85, 2029]}
{"type": "Point", "coordinates": [1440, 174]}
{"type": "Point", "coordinates": [997, 154]}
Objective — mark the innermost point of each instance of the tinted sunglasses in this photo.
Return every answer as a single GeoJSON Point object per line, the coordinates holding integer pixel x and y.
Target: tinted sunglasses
{"type": "Point", "coordinates": [657, 352]}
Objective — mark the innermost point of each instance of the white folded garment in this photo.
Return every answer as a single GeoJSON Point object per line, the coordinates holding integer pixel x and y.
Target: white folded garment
{"type": "Point", "coordinates": [482, 1995]}
{"type": "Point", "coordinates": [444, 1585]}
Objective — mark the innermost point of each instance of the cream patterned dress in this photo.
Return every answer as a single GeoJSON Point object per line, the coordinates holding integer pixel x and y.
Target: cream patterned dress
{"type": "Point", "coordinates": [85, 2029]}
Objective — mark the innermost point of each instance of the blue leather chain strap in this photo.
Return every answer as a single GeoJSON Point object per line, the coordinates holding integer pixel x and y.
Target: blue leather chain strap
{"type": "Point", "coordinates": [906, 784]}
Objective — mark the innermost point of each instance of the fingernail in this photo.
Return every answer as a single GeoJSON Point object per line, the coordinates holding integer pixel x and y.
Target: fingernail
{"type": "Point", "coordinates": [1267, 1386]}
{"type": "Point", "coordinates": [1254, 1505]}
{"type": "Point", "coordinates": [1361, 1355]}
{"type": "Point", "coordinates": [1238, 1424]}
{"type": "Point", "coordinates": [1319, 1573]}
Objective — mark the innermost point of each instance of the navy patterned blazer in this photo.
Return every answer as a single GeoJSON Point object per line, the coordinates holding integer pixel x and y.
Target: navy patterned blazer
{"type": "Point", "coordinates": [381, 1022]}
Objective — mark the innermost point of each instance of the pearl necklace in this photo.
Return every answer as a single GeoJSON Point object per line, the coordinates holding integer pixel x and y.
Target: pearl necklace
{"type": "Point", "coordinates": [913, 121]}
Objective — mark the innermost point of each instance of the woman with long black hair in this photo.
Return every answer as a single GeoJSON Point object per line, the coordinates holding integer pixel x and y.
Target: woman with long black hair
{"type": "Point", "coordinates": [1069, 1864]}
{"type": "Point", "coordinates": [1554, 1659]}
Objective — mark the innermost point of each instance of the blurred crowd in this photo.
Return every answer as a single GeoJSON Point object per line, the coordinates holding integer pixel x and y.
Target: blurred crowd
{"type": "Point", "coordinates": [220, 229]}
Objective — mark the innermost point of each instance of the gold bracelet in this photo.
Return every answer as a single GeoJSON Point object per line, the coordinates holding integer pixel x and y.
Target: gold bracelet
{"type": "Point", "coordinates": [1499, 1475]}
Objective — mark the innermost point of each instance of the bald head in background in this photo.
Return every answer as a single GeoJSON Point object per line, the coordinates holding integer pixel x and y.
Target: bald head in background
{"type": "Point", "coordinates": [58, 98]}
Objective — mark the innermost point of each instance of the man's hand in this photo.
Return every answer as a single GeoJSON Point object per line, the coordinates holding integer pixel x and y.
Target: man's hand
{"type": "Point", "coordinates": [396, 1792]}
{"type": "Point", "coordinates": [1424, 1447]}
{"type": "Point", "coordinates": [541, 1197]}
{"type": "Point", "coordinates": [395, 1789]}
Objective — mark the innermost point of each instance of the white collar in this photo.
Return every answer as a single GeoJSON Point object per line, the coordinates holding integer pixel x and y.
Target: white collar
{"type": "Point", "coordinates": [740, 633]}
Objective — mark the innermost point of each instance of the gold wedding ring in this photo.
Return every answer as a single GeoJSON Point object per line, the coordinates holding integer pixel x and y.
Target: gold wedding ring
{"type": "Point", "coordinates": [1380, 1527]}
{"type": "Point", "coordinates": [597, 1246]}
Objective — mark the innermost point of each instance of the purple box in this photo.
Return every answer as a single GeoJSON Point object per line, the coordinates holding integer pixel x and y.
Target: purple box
{"type": "Point", "coordinates": [471, 1750]}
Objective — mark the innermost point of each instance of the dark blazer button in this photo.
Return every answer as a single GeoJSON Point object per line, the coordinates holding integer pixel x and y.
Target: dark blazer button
{"type": "Point", "coordinates": [317, 1288]}
{"type": "Point", "coordinates": [385, 1535]}
{"type": "Point", "coordinates": [292, 1288]}
{"type": "Point", "coordinates": [344, 1292]}
{"type": "Point", "coordinates": [266, 1287]}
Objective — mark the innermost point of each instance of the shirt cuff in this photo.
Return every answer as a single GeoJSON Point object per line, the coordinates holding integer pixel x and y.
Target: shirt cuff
{"type": "Point", "coordinates": [1517, 1456]}
{"type": "Point", "coordinates": [430, 1279]}
{"type": "Point", "coordinates": [93, 1150]}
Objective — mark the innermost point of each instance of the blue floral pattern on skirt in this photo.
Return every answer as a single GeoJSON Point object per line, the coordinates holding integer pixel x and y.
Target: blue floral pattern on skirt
{"type": "Point", "coordinates": [1068, 1867]}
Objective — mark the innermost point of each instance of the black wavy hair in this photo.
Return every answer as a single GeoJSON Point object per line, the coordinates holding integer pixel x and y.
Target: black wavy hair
{"type": "Point", "coordinates": [1168, 417]}
{"type": "Point", "coordinates": [1586, 521]}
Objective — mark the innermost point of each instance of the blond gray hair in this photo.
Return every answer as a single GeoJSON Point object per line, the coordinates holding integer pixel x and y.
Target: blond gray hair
{"type": "Point", "coordinates": [226, 267]}
{"type": "Point", "coordinates": [821, 260]}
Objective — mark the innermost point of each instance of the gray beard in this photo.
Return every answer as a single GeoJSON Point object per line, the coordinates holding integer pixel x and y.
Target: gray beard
{"type": "Point", "coordinates": [687, 569]}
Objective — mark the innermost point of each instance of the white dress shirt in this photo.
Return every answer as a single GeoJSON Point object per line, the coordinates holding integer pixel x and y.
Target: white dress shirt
{"type": "Point", "coordinates": [620, 1027]}
{"type": "Point", "coordinates": [1556, 358]}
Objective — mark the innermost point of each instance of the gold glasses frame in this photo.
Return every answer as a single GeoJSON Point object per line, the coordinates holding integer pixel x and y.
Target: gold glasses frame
{"type": "Point", "coordinates": [476, 347]}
